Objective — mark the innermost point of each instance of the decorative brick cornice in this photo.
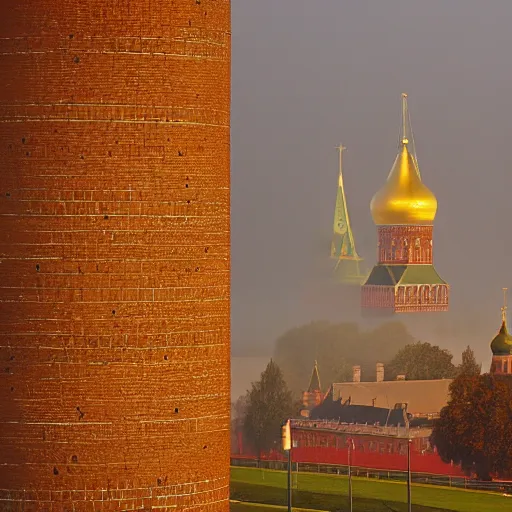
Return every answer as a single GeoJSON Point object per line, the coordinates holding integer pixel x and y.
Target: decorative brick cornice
{"type": "Point", "coordinates": [405, 245]}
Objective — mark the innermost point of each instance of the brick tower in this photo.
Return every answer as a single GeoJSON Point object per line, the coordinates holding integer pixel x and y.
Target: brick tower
{"type": "Point", "coordinates": [404, 279]}
{"type": "Point", "coordinates": [114, 255]}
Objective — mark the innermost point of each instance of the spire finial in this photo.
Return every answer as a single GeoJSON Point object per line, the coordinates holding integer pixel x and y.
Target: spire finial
{"type": "Point", "coordinates": [504, 308]}
{"type": "Point", "coordinates": [340, 148]}
{"type": "Point", "coordinates": [405, 116]}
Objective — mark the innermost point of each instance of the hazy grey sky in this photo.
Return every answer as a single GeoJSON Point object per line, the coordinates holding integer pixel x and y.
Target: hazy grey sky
{"type": "Point", "coordinates": [310, 74]}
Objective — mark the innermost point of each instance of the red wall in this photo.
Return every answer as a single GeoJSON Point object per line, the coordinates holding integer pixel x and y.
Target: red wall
{"type": "Point", "coordinates": [420, 463]}
{"type": "Point", "coordinates": [310, 449]}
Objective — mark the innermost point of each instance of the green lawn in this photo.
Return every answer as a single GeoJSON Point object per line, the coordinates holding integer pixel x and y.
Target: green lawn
{"type": "Point", "coordinates": [256, 507]}
{"type": "Point", "coordinates": [329, 492]}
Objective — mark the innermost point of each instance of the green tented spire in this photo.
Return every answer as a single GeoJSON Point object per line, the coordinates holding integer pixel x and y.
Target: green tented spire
{"type": "Point", "coordinates": [343, 247]}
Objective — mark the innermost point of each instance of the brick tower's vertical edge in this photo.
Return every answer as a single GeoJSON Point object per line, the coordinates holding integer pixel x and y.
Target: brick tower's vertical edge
{"type": "Point", "coordinates": [114, 254]}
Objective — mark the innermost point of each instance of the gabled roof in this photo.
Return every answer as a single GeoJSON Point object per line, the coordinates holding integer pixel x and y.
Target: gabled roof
{"type": "Point", "coordinates": [421, 396]}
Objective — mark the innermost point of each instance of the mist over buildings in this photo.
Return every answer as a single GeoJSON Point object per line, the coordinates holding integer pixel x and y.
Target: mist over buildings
{"type": "Point", "coordinates": [309, 75]}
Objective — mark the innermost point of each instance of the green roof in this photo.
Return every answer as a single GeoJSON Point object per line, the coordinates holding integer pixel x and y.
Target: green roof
{"type": "Point", "coordinates": [392, 275]}
{"type": "Point", "coordinates": [421, 274]}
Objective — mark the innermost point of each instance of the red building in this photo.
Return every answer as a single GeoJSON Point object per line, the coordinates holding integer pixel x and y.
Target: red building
{"type": "Point", "coordinates": [356, 412]}
{"type": "Point", "coordinates": [376, 447]}
{"type": "Point", "coordinates": [115, 255]}
{"type": "Point", "coordinates": [404, 279]}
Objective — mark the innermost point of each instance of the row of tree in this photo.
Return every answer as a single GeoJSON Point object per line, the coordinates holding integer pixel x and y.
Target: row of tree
{"type": "Point", "coordinates": [337, 347]}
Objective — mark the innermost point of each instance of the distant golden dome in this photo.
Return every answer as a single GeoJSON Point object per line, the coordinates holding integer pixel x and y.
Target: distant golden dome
{"type": "Point", "coordinates": [404, 199]}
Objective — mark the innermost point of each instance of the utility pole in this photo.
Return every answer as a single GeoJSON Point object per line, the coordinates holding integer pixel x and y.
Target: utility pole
{"type": "Point", "coordinates": [351, 447]}
{"type": "Point", "coordinates": [409, 502]}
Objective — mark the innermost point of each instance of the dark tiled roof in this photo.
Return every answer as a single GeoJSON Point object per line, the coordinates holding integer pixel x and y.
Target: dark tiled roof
{"type": "Point", "coordinates": [359, 414]}
{"type": "Point", "coordinates": [382, 276]}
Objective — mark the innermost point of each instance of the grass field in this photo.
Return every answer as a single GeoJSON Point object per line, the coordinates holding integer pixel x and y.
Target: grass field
{"type": "Point", "coordinates": [256, 507]}
{"type": "Point", "coordinates": [330, 493]}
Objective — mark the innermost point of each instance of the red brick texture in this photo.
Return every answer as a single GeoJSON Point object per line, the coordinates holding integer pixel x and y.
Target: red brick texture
{"type": "Point", "coordinates": [405, 245]}
{"type": "Point", "coordinates": [114, 255]}
{"type": "Point", "coordinates": [406, 298]}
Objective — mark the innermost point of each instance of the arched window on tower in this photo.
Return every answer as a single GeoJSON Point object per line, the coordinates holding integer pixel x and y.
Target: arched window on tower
{"type": "Point", "coordinates": [429, 251]}
{"type": "Point", "coordinates": [417, 250]}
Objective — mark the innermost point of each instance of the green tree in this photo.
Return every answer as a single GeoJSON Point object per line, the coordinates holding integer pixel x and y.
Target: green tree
{"type": "Point", "coordinates": [474, 428]}
{"type": "Point", "coordinates": [269, 403]}
{"type": "Point", "coordinates": [343, 373]}
{"type": "Point", "coordinates": [421, 361]}
{"type": "Point", "coordinates": [469, 366]}
{"type": "Point", "coordinates": [336, 347]}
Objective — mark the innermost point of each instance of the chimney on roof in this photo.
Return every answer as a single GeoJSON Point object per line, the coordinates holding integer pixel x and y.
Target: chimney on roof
{"type": "Point", "coordinates": [380, 372]}
{"type": "Point", "coordinates": [356, 373]}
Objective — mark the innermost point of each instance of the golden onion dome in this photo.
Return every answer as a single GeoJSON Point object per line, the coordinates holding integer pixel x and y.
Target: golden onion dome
{"type": "Point", "coordinates": [404, 199]}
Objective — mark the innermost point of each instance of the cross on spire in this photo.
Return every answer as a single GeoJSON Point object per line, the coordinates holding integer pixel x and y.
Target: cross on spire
{"type": "Point", "coordinates": [405, 117]}
{"type": "Point", "coordinates": [504, 307]}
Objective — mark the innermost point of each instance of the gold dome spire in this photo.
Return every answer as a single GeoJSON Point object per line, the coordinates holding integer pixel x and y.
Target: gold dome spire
{"type": "Point", "coordinates": [404, 199]}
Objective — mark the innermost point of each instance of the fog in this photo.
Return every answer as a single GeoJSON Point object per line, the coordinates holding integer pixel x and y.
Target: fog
{"type": "Point", "coordinates": [309, 75]}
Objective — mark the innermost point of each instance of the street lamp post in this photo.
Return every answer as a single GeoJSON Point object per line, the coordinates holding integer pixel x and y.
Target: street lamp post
{"type": "Point", "coordinates": [286, 438]}
{"type": "Point", "coordinates": [409, 502]}
{"type": "Point", "coordinates": [351, 447]}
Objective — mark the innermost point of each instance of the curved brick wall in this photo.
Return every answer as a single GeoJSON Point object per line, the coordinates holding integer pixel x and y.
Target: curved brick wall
{"type": "Point", "coordinates": [114, 254]}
